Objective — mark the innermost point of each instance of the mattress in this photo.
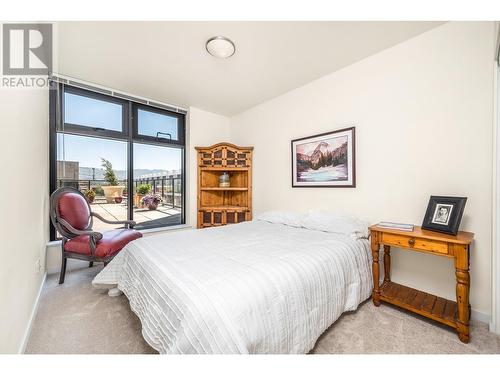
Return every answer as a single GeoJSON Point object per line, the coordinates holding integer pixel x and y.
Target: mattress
{"type": "Point", "coordinates": [254, 287]}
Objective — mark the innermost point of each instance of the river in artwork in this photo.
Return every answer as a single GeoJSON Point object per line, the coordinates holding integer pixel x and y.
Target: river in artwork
{"type": "Point", "coordinates": [324, 174]}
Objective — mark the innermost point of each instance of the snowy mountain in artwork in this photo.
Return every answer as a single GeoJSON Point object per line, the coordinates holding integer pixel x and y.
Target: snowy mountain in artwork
{"type": "Point", "coordinates": [322, 161]}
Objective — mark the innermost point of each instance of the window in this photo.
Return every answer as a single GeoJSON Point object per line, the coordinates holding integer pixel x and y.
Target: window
{"type": "Point", "coordinates": [89, 111]}
{"type": "Point", "coordinates": [85, 111]}
{"type": "Point", "coordinates": [142, 146]}
{"type": "Point", "coordinates": [157, 125]}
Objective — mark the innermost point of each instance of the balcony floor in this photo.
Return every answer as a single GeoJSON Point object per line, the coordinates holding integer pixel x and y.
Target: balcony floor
{"type": "Point", "coordinates": [163, 215]}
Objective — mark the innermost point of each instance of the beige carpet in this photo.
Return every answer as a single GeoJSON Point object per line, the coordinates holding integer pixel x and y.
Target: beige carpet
{"type": "Point", "coordinates": [76, 318]}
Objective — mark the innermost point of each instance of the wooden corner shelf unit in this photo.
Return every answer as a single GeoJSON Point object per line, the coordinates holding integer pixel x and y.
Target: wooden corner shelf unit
{"type": "Point", "coordinates": [224, 205]}
{"type": "Point", "coordinates": [455, 314]}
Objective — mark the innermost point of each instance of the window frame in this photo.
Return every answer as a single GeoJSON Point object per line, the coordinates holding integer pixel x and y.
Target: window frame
{"type": "Point", "coordinates": [128, 134]}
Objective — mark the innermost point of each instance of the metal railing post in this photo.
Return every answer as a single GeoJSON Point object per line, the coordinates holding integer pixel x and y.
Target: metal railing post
{"type": "Point", "coordinates": [173, 192]}
{"type": "Point", "coordinates": [163, 187]}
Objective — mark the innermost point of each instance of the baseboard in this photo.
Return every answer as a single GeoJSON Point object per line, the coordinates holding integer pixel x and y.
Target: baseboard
{"type": "Point", "coordinates": [493, 328]}
{"type": "Point", "coordinates": [480, 316]}
{"type": "Point", "coordinates": [27, 333]}
{"type": "Point", "coordinates": [71, 265]}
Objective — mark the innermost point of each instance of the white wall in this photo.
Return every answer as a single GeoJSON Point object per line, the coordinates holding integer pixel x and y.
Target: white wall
{"type": "Point", "coordinates": [423, 115]}
{"type": "Point", "coordinates": [495, 264]}
{"type": "Point", "coordinates": [24, 192]}
{"type": "Point", "coordinates": [204, 129]}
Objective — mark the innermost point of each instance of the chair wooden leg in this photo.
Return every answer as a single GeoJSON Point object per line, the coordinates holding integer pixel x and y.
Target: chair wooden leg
{"type": "Point", "coordinates": [91, 264]}
{"type": "Point", "coordinates": [63, 270]}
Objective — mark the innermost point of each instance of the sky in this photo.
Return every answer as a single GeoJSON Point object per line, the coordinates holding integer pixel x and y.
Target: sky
{"type": "Point", "coordinates": [97, 113]}
{"type": "Point", "coordinates": [92, 112]}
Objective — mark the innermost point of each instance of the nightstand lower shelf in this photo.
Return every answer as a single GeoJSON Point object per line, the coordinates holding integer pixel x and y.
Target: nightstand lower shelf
{"type": "Point", "coordinates": [425, 304]}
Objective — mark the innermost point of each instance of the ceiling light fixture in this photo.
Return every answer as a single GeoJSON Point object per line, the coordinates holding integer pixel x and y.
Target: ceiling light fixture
{"type": "Point", "coordinates": [220, 47]}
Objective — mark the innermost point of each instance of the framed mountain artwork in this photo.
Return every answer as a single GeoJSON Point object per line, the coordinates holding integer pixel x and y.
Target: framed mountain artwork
{"type": "Point", "coordinates": [324, 160]}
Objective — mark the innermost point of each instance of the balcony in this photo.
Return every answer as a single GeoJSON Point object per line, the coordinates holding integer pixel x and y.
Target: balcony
{"type": "Point", "coordinates": [168, 212]}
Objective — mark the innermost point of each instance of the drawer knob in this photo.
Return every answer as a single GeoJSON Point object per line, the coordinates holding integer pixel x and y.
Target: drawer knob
{"type": "Point", "coordinates": [411, 241]}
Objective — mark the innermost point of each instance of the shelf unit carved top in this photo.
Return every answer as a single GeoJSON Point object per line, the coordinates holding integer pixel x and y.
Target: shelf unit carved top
{"type": "Point", "coordinates": [224, 155]}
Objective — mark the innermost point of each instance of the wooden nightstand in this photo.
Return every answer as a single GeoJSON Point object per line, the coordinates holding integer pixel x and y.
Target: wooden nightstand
{"type": "Point", "coordinates": [454, 314]}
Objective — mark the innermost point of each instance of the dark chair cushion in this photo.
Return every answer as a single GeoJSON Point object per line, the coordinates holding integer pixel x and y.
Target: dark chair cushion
{"type": "Point", "coordinates": [112, 242]}
{"type": "Point", "coordinates": [75, 210]}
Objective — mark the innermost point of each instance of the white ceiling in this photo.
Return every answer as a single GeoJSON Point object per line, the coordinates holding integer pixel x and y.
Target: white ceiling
{"type": "Point", "coordinates": [167, 61]}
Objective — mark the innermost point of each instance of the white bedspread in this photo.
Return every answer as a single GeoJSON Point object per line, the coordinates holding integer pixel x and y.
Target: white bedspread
{"type": "Point", "coordinates": [254, 287]}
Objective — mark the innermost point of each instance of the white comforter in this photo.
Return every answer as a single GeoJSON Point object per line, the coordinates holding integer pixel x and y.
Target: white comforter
{"type": "Point", "coordinates": [254, 287]}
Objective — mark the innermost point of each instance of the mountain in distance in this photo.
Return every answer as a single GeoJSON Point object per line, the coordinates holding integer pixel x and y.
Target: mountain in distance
{"type": "Point", "coordinates": [322, 156]}
{"type": "Point", "coordinates": [320, 152]}
{"type": "Point", "coordinates": [87, 173]}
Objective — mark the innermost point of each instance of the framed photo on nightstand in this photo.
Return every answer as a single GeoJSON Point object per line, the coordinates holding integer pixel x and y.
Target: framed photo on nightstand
{"type": "Point", "coordinates": [444, 214]}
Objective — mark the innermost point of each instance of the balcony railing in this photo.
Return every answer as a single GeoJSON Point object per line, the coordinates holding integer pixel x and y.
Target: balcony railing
{"type": "Point", "coordinates": [168, 187]}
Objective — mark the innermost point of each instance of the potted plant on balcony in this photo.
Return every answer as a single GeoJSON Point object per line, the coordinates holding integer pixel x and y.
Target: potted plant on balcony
{"type": "Point", "coordinates": [124, 196]}
{"type": "Point", "coordinates": [140, 192]}
{"type": "Point", "coordinates": [113, 190]}
{"type": "Point", "coordinates": [151, 201]}
{"type": "Point", "coordinates": [98, 190]}
{"type": "Point", "coordinates": [90, 195]}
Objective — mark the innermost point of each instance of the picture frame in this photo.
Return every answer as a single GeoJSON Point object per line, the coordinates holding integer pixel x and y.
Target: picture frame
{"type": "Point", "coordinates": [325, 160]}
{"type": "Point", "coordinates": [444, 214]}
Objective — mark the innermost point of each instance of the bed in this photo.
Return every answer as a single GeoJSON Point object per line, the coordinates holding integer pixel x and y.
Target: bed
{"type": "Point", "coordinates": [256, 287]}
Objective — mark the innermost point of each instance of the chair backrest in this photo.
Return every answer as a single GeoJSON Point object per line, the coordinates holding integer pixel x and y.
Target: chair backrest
{"type": "Point", "coordinates": [70, 204]}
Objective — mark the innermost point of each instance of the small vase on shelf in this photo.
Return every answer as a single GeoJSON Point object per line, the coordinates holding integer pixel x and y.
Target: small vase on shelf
{"type": "Point", "coordinates": [224, 180]}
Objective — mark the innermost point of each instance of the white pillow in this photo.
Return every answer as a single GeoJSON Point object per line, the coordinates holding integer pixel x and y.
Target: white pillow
{"type": "Point", "coordinates": [336, 223]}
{"type": "Point", "coordinates": [290, 218]}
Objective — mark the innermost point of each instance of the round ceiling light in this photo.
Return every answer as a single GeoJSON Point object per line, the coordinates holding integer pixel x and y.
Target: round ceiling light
{"type": "Point", "coordinates": [221, 47]}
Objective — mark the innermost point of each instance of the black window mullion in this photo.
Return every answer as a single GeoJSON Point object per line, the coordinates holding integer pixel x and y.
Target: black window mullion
{"type": "Point", "coordinates": [54, 87]}
{"type": "Point", "coordinates": [93, 132]}
{"type": "Point", "coordinates": [183, 187]}
{"type": "Point", "coordinates": [130, 164]}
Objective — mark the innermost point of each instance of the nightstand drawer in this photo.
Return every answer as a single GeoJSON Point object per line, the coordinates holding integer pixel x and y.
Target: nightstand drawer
{"type": "Point", "coordinates": [415, 243]}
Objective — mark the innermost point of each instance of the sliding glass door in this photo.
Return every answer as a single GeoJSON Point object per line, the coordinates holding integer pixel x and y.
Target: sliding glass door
{"type": "Point", "coordinates": [157, 177]}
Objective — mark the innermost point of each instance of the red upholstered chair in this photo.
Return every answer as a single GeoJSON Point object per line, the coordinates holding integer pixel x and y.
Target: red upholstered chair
{"type": "Point", "coordinates": [71, 215]}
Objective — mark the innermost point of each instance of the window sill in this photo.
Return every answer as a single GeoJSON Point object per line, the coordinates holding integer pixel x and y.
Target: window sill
{"type": "Point", "coordinates": [143, 231]}
{"type": "Point", "coordinates": [165, 229]}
